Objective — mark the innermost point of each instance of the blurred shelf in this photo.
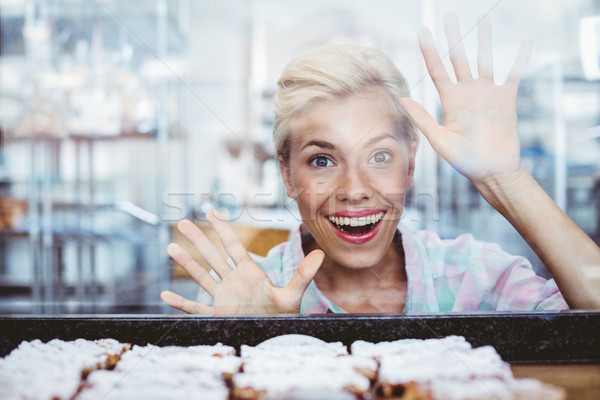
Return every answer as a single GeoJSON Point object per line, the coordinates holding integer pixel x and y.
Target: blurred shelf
{"type": "Point", "coordinates": [78, 137]}
{"type": "Point", "coordinates": [255, 240]}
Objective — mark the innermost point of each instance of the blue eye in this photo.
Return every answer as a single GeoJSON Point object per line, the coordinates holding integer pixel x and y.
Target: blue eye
{"type": "Point", "coordinates": [380, 157]}
{"type": "Point", "coordinates": [320, 162]}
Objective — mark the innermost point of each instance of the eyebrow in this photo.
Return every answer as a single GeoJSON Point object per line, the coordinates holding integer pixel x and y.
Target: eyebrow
{"type": "Point", "coordinates": [381, 137]}
{"type": "Point", "coordinates": [319, 143]}
{"type": "Point", "coordinates": [330, 146]}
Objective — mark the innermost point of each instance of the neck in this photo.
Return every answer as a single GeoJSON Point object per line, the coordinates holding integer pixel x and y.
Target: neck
{"type": "Point", "coordinates": [378, 288]}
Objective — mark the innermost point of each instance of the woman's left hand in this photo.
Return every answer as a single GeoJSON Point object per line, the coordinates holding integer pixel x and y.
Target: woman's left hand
{"type": "Point", "coordinates": [480, 137]}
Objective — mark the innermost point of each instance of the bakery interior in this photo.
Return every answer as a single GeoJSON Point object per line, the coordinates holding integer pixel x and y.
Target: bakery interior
{"type": "Point", "coordinates": [118, 119]}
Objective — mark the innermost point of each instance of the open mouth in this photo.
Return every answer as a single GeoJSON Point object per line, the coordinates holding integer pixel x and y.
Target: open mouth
{"type": "Point", "coordinates": [356, 226]}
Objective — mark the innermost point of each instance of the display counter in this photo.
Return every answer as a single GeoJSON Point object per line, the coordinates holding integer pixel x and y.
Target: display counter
{"type": "Point", "coordinates": [556, 347]}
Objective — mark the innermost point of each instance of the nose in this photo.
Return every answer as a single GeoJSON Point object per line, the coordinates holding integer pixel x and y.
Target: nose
{"type": "Point", "coordinates": [353, 185]}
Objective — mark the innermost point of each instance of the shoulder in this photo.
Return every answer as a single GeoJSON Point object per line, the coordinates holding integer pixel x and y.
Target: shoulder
{"type": "Point", "coordinates": [469, 274]}
{"type": "Point", "coordinates": [459, 253]}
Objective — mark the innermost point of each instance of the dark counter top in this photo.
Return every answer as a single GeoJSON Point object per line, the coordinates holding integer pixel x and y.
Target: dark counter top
{"type": "Point", "coordinates": [572, 337]}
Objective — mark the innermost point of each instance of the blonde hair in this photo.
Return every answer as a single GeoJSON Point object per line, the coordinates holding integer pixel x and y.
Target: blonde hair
{"type": "Point", "coordinates": [327, 72]}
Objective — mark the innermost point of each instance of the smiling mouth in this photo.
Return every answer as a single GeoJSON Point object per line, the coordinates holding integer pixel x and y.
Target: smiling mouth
{"type": "Point", "coordinates": [356, 226]}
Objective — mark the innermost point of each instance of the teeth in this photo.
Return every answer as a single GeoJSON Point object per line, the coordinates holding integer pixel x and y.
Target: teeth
{"type": "Point", "coordinates": [361, 221]}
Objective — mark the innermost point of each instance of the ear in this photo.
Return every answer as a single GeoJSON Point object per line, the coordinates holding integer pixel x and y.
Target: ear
{"type": "Point", "coordinates": [287, 179]}
{"type": "Point", "coordinates": [414, 145]}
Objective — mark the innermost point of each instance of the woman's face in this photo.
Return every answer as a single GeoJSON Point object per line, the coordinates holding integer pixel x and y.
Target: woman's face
{"type": "Point", "coordinates": [349, 169]}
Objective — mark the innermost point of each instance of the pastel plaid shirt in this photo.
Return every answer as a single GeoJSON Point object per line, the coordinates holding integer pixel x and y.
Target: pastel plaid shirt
{"type": "Point", "coordinates": [461, 274]}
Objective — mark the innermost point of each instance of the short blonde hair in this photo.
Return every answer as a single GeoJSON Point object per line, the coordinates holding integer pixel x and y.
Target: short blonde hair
{"type": "Point", "coordinates": [327, 72]}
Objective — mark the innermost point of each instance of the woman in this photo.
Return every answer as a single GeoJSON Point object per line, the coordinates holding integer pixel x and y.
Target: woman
{"type": "Point", "coordinates": [346, 146]}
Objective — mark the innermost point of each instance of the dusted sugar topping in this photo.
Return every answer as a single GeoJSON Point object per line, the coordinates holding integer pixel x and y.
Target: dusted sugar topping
{"type": "Point", "coordinates": [300, 350]}
{"type": "Point", "coordinates": [57, 369]}
{"type": "Point", "coordinates": [82, 353]}
{"type": "Point", "coordinates": [38, 370]}
{"type": "Point", "coordinates": [38, 378]}
{"type": "Point", "coordinates": [404, 346]}
{"type": "Point", "coordinates": [426, 365]}
{"type": "Point", "coordinates": [292, 339]}
{"type": "Point", "coordinates": [150, 384]}
{"type": "Point", "coordinates": [182, 359]}
{"type": "Point", "coordinates": [293, 363]}
{"type": "Point", "coordinates": [171, 372]}
{"type": "Point", "coordinates": [216, 350]}
{"type": "Point", "coordinates": [277, 383]}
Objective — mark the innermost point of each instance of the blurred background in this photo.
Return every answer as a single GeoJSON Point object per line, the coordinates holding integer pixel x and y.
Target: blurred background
{"type": "Point", "coordinates": [119, 118]}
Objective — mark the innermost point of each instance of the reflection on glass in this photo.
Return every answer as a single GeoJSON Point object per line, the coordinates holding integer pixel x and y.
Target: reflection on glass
{"type": "Point", "coordinates": [121, 119]}
{"type": "Point", "coordinates": [346, 139]}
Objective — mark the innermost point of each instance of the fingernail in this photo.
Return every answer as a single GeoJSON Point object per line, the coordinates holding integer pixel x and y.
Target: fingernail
{"type": "Point", "coordinates": [218, 215]}
{"type": "Point", "coordinates": [166, 297]}
{"type": "Point", "coordinates": [182, 225]}
{"type": "Point", "coordinates": [172, 249]}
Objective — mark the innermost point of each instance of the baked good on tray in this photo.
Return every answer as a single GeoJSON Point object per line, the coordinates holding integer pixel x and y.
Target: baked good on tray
{"type": "Point", "coordinates": [284, 367]}
{"type": "Point", "coordinates": [311, 383]}
{"type": "Point", "coordinates": [296, 366]}
{"type": "Point", "coordinates": [415, 371]}
{"type": "Point", "coordinates": [218, 359]}
{"type": "Point", "coordinates": [54, 370]}
{"type": "Point", "coordinates": [266, 364]}
{"type": "Point", "coordinates": [294, 346]}
{"type": "Point", "coordinates": [410, 346]}
{"type": "Point", "coordinates": [448, 369]}
{"type": "Point", "coordinates": [171, 372]}
{"type": "Point", "coordinates": [154, 383]}
{"type": "Point", "coordinates": [488, 389]}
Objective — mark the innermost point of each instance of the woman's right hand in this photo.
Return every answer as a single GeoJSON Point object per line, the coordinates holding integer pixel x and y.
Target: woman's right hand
{"type": "Point", "coordinates": [245, 289]}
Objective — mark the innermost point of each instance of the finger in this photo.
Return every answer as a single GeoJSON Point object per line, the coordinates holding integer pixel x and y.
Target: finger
{"type": "Point", "coordinates": [232, 245]}
{"type": "Point", "coordinates": [516, 72]}
{"type": "Point", "coordinates": [434, 65]}
{"type": "Point", "coordinates": [485, 65]}
{"type": "Point", "coordinates": [458, 57]}
{"type": "Point", "coordinates": [198, 274]}
{"type": "Point", "coordinates": [208, 251]}
{"type": "Point", "coordinates": [306, 272]}
{"type": "Point", "coordinates": [424, 121]}
{"type": "Point", "coordinates": [183, 304]}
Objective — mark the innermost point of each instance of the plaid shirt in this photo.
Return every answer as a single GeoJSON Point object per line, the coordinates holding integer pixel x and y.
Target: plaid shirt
{"type": "Point", "coordinates": [443, 275]}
